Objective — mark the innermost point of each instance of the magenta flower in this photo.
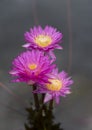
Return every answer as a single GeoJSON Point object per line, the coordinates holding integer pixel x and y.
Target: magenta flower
{"type": "Point", "coordinates": [43, 39]}
{"type": "Point", "coordinates": [59, 86]}
{"type": "Point", "coordinates": [31, 67]}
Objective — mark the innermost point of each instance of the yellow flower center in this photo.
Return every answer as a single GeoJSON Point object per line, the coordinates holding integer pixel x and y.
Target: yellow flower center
{"type": "Point", "coordinates": [43, 40]}
{"type": "Point", "coordinates": [55, 85]}
{"type": "Point", "coordinates": [32, 66]}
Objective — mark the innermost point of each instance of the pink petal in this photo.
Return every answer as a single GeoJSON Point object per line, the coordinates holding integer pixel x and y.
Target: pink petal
{"type": "Point", "coordinates": [48, 97]}
{"type": "Point", "coordinates": [26, 45]}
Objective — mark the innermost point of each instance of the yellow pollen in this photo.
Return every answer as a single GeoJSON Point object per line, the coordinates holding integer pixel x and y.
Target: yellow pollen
{"type": "Point", "coordinates": [55, 85]}
{"type": "Point", "coordinates": [43, 40]}
{"type": "Point", "coordinates": [32, 66]}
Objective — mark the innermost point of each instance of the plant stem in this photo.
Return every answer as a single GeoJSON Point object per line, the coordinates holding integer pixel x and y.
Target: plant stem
{"type": "Point", "coordinates": [43, 95]}
{"type": "Point", "coordinates": [44, 107]}
{"type": "Point", "coordinates": [51, 105]}
{"type": "Point", "coordinates": [36, 100]}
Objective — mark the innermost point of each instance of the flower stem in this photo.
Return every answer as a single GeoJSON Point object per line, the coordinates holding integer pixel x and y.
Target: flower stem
{"type": "Point", "coordinates": [43, 95]}
{"type": "Point", "coordinates": [51, 105]}
{"type": "Point", "coordinates": [44, 107]}
{"type": "Point", "coordinates": [36, 100]}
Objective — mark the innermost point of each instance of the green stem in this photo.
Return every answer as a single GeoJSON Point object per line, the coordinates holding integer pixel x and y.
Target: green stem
{"type": "Point", "coordinates": [51, 105]}
{"type": "Point", "coordinates": [43, 95]}
{"type": "Point", "coordinates": [36, 100]}
{"type": "Point", "coordinates": [44, 105]}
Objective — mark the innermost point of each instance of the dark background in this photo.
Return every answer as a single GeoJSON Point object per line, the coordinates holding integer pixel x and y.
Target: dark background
{"type": "Point", "coordinates": [74, 19]}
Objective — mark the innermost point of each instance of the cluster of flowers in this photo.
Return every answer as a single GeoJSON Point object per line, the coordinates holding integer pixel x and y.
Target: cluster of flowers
{"type": "Point", "coordinates": [36, 64]}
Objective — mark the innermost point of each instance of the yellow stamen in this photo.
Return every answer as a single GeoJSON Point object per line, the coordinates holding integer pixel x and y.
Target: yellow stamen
{"type": "Point", "coordinates": [55, 85]}
{"type": "Point", "coordinates": [43, 40]}
{"type": "Point", "coordinates": [32, 66]}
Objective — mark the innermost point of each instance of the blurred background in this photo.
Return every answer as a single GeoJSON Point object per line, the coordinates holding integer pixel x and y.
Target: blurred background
{"type": "Point", "coordinates": [74, 19]}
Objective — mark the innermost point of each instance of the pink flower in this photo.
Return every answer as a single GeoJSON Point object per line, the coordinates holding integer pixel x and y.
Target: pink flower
{"type": "Point", "coordinates": [43, 39]}
{"type": "Point", "coordinates": [31, 67]}
{"type": "Point", "coordinates": [59, 86]}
